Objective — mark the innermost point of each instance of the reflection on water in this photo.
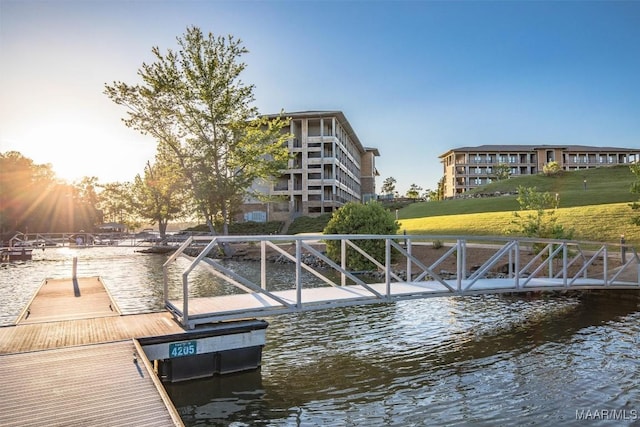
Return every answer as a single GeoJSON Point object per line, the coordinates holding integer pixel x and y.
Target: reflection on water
{"type": "Point", "coordinates": [477, 360]}
{"type": "Point", "coordinates": [482, 360]}
{"type": "Point", "coordinates": [135, 280]}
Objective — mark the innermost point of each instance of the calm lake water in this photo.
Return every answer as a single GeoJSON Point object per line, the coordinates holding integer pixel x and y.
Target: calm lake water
{"type": "Point", "coordinates": [482, 360]}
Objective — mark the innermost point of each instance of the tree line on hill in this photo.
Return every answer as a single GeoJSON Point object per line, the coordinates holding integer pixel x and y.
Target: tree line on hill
{"type": "Point", "coordinates": [33, 200]}
{"type": "Point", "coordinates": [415, 192]}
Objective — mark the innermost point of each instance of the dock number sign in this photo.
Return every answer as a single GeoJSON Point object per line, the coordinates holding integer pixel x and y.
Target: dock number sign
{"type": "Point", "coordinates": [181, 349]}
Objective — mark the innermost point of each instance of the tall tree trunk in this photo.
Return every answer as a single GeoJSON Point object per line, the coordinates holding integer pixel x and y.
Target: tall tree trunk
{"type": "Point", "coordinates": [225, 247]}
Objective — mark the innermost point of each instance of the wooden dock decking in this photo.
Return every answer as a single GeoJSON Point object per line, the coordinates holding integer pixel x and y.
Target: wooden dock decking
{"type": "Point", "coordinates": [67, 299]}
{"type": "Point", "coordinates": [96, 385]}
{"type": "Point", "coordinates": [72, 359]}
{"type": "Point", "coordinates": [66, 333]}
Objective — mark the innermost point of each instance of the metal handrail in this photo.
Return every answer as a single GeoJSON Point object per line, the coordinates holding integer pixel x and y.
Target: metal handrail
{"type": "Point", "coordinates": [560, 253]}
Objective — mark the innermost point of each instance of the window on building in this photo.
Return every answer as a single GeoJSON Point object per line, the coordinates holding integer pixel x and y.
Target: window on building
{"type": "Point", "coordinates": [256, 216]}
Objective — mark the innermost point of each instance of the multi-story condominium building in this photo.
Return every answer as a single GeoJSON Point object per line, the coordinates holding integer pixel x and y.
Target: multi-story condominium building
{"type": "Point", "coordinates": [466, 168]}
{"type": "Point", "coordinates": [329, 167]}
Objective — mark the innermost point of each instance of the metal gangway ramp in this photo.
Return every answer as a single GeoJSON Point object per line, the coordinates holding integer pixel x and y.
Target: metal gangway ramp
{"type": "Point", "coordinates": [512, 265]}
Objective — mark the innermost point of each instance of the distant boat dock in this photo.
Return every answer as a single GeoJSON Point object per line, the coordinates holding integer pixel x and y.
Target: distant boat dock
{"type": "Point", "coordinates": [15, 254]}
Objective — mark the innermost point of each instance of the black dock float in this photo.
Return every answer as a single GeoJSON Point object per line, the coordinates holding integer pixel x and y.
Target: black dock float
{"type": "Point", "coordinates": [220, 348]}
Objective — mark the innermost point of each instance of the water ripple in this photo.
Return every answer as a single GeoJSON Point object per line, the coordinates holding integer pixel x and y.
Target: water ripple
{"type": "Point", "coordinates": [477, 360]}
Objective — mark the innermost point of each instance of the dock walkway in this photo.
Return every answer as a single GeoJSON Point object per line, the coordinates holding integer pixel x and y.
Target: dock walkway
{"type": "Point", "coordinates": [318, 282]}
{"type": "Point", "coordinates": [56, 300]}
{"type": "Point", "coordinates": [72, 359]}
{"type": "Point", "coordinates": [96, 385]}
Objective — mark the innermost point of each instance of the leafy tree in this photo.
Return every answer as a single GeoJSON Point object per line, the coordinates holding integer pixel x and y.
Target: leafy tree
{"type": "Point", "coordinates": [388, 185]}
{"type": "Point", "coordinates": [414, 191]}
{"type": "Point", "coordinates": [194, 104]}
{"type": "Point", "coordinates": [537, 216]}
{"type": "Point", "coordinates": [439, 193]}
{"type": "Point", "coordinates": [33, 200]}
{"type": "Point", "coordinates": [551, 169]}
{"type": "Point", "coordinates": [501, 171]}
{"type": "Point", "coordinates": [160, 195]}
{"type": "Point", "coordinates": [21, 183]}
{"type": "Point", "coordinates": [116, 203]}
{"type": "Point", "coordinates": [87, 198]}
{"type": "Point", "coordinates": [357, 218]}
{"type": "Point", "coordinates": [635, 188]}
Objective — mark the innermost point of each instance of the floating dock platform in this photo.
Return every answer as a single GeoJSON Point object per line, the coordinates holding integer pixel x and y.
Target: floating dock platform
{"type": "Point", "coordinates": [73, 359]}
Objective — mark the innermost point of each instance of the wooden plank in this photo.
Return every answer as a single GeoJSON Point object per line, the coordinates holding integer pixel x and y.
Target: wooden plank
{"type": "Point", "coordinates": [65, 299]}
{"type": "Point", "coordinates": [97, 385]}
{"type": "Point", "coordinates": [42, 336]}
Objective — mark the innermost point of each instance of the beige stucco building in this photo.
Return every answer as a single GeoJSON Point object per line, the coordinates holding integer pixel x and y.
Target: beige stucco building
{"type": "Point", "coordinates": [466, 168]}
{"type": "Point", "coordinates": [329, 167]}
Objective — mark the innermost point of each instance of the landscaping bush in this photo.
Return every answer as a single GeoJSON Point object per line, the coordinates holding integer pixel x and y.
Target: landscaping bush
{"type": "Point", "coordinates": [357, 218]}
{"type": "Point", "coordinates": [306, 224]}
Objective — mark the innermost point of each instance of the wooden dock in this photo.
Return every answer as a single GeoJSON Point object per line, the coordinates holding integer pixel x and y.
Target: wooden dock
{"type": "Point", "coordinates": [57, 299]}
{"type": "Point", "coordinates": [96, 385]}
{"type": "Point", "coordinates": [72, 359]}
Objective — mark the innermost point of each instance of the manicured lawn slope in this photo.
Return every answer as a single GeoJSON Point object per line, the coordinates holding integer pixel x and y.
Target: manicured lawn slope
{"type": "Point", "coordinates": [604, 185]}
{"type": "Point", "coordinates": [601, 223]}
{"type": "Point", "coordinates": [599, 213]}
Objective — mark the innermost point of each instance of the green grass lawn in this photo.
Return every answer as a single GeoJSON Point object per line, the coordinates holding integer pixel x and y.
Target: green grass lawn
{"type": "Point", "coordinates": [600, 223]}
{"type": "Point", "coordinates": [604, 185]}
{"type": "Point", "coordinates": [598, 213]}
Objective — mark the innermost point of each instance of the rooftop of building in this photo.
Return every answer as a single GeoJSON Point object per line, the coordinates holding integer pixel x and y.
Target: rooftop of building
{"type": "Point", "coordinates": [524, 148]}
{"type": "Point", "coordinates": [342, 119]}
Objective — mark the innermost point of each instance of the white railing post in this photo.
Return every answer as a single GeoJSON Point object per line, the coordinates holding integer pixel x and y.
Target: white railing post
{"type": "Point", "coordinates": [565, 266]}
{"type": "Point", "coordinates": [298, 273]}
{"type": "Point", "coordinates": [185, 300]}
{"type": "Point", "coordinates": [409, 263]}
{"type": "Point", "coordinates": [605, 266]}
{"type": "Point", "coordinates": [387, 261]}
{"type": "Point", "coordinates": [263, 264]}
{"type": "Point", "coordinates": [343, 261]}
{"type": "Point", "coordinates": [550, 260]}
{"type": "Point", "coordinates": [459, 263]}
{"type": "Point", "coordinates": [517, 264]}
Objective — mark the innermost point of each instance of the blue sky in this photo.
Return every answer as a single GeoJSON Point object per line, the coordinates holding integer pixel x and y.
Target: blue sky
{"type": "Point", "coordinates": [414, 78]}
